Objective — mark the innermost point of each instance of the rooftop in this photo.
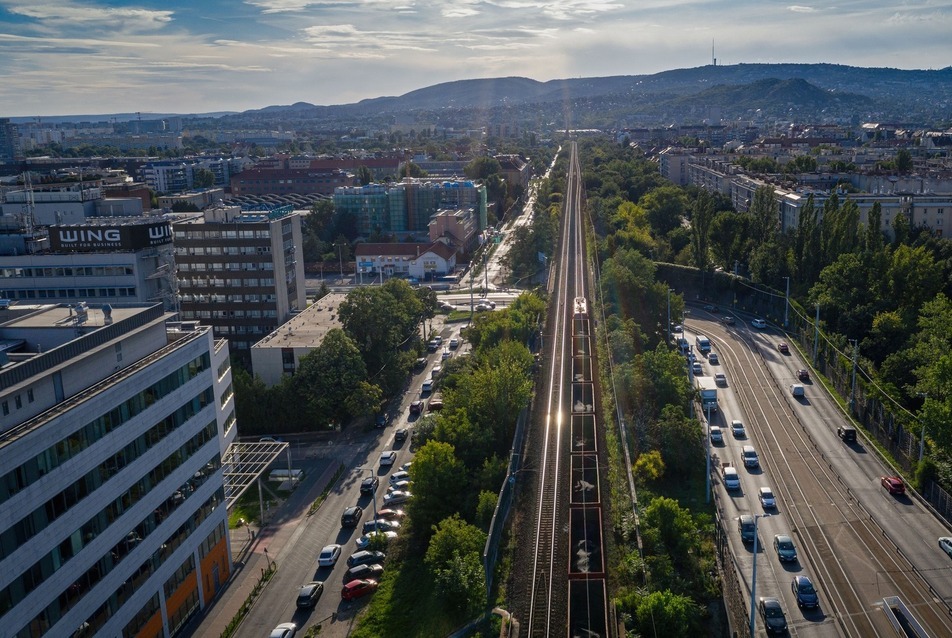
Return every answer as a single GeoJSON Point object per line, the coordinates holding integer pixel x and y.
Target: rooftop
{"type": "Point", "coordinates": [307, 329]}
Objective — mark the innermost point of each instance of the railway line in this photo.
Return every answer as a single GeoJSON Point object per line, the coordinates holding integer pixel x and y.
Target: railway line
{"type": "Point", "coordinates": [851, 557]}
{"type": "Point", "coordinates": [566, 593]}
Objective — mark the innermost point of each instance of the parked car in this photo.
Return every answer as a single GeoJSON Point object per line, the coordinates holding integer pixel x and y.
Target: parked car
{"type": "Point", "coordinates": [893, 485]}
{"type": "Point", "coordinates": [803, 375]}
{"type": "Point", "coordinates": [401, 475]}
{"type": "Point", "coordinates": [772, 613]}
{"type": "Point", "coordinates": [388, 458]}
{"type": "Point", "coordinates": [786, 550]}
{"type": "Point", "coordinates": [351, 516]}
{"type": "Point", "coordinates": [369, 485]}
{"type": "Point", "coordinates": [364, 541]}
{"type": "Point", "coordinates": [399, 486]}
{"type": "Point", "coordinates": [390, 513]}
{"type": "Point", "coordinates": [767, 499]}
{"type": "Point", "coordinates": [758, 323]}
{"type": "Point", "coordinates": [365, 557]}
{"type": "Point", "coordinates": [419, 364]}
{"type": "Point", "coordinates": [804, 591]}
{"type": "Point", "coordinates": [284, 630]}
{"type": "Point", "coordinates": [358, 572]}
{"type": "Point", "coordinates": [309, 594]}
{"type": "Point", "coordinates": [358, 588]}
{"type": "Point", "coordinates": [382, 420]}
{"type": "Point", "coordinates": [329, 555]}
{"type": "Point", "coordinates": [380, 525]}
{"type": "Point", "coordinates": [395, 498]}
{"type": "Point", "coordinates": [716, 435]}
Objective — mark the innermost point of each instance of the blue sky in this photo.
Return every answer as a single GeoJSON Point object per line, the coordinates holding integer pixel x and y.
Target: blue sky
{"type": "Point", "coordinates": [192, 56]}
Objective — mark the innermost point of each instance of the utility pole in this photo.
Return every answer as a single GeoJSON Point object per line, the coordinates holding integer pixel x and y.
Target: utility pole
{"type": "Point", "coordinates": [707, 455]}
{"type": "Point", "coordinates": [669, 315]}
{"type": "Point", "coordinates": [816, 334]}
{"type": "Point", "coordinates": [853, 382]}
{"type": "Point", "coordinates": [786, 306]}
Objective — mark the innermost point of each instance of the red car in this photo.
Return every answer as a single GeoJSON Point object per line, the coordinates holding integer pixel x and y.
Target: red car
{"type": "Point", "coordinates": [803, 375]}
{"type": "Point", "coordinates": [783, 348]}
{"type": "Point", "coordinates": [893, 485]}
{"type": "Point", "coordinates": [358, 588]}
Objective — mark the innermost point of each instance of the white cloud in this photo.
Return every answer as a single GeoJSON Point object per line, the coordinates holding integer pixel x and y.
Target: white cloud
{"type": "Point", "coordinates": [801, 9]}
{"type": "Point", "coordinates": [72, 14]}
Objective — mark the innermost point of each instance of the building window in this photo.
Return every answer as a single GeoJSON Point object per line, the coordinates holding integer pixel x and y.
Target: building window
{"type": "Point", "coordinates": [6, 408]}
{"type": "Point", "coordinates": [19, 401]}
{"type": "Point", "coordinates": [29, 395]}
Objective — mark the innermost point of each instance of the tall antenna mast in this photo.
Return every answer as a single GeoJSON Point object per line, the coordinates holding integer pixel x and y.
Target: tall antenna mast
{"type": "Point", "coordinates": [713, 58]}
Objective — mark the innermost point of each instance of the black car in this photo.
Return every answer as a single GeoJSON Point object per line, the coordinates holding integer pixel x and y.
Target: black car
{"type": "Point", "coordinates": [351, 516]}
{"type": "Point", "coordinates": [772, 614]}
{"type": "Point", "coordinates": [365, 557]}
{"type": "Point", "coordinates": [369, 485]}
{"type": "Point", "coordinates": [804, 592]}
{"type": "Point", "coordinates": [367, 570]}
{"type": "Point", "coordinates": [380, 525]}
{"type": "Point", "coordinates": [309, 594]}
{"type": "Point", "coordinates": [400, 435]}
{"type": "Point", "coordinates": [382, 420]}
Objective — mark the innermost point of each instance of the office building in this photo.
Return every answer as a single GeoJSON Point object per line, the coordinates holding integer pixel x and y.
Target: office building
{"type": "Point", "coordinates": [9, 142]}
{"type": "Point", "coordinates": [113, 427]}
{"type": "Point", "coordinates": [240, 272]}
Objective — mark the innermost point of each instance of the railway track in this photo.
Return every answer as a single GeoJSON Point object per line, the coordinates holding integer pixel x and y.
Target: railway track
{"type": "Point", "coordinates": [566, 592]}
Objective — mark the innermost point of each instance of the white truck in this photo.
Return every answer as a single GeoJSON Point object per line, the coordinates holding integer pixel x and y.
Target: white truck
{"type": "Point", "coordinates": [707, 390]}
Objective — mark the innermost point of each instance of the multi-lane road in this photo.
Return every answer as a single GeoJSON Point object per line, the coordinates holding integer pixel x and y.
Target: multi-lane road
{"type": "Point", "coordinates": [858, 543]}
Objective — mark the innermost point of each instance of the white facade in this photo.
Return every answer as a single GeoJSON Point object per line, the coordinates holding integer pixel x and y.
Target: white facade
{"type": "Point", "coordinates": [112, 429]}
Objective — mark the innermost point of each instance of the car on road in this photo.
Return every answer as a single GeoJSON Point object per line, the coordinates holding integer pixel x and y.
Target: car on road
{"type": "Point", "coordinates": [946, 544]}
{"type": "Point", "coordinates": [401, 475]}
{"type": "Point", "coordinates": [309, 594]}
{"type": "Point", "coordinates": [677, 328]}
{"type": "Point", "coordinates": [846, 433]}
{"type": "Point", "coordinates": [419, 364]}
{"type": "Point", "coordinates": [385, 537]}
{"type": "Point", "coordinates": [710, 308]}
{"type": "Point", "coordinates": [446, 354]}
{"type": "Point", "coordinates": [358, 588]}
{"type": "Point", "coordinates": [728, 320]}
{"type": "Point", "coordinates": [329, 555]}
{"type": "Point", "coordinates": [749, 454]}
{"type": "Point", "coordinates": [382, 420]}
{"type": "Point", "coordinates": [454, 343]}
{"type": "Point", "coordinates": [395, 498]}
{"type": "Point", "coordinates": [731, 477]}
{"type": "Point", "coordinates": [747, 528]}
{"type": "Point", "coordinates": [772, 614]}
{"type": "Point", "coordinates": [482, 307]}
{"type": "Point", "coordinates": [712, 358]}
{"type": "Point", "coordinates": [803, 375]}
{"type": "Point", "coordinates": [380, 525]}
{"type": "Point", "coordinates": [786, 550]}
{"type": "Point", "coordinates": [401, 435]}
{"type": "Point", "coordinates": [893, 485]}
{"type": "Point", "coordinates": [284, 630]}
{"type": "Point", "coordinates": [373, 570]}
{"type": "Point", "coordinates": [369, 485]}
{"type": "Point", "coordinates": [796, 390]}
{"type": "Point", "coordinates": [390, 514]}
{"type": "Point", "coordinates": [720, 378]}
{"type": "Point", "coordinates": [416, 406]}
{"type": "Point", "coordinates": [767, 499]}
{"type": "Point", "coordinates": [365, 557]}
{"type": "Point", "coordinates": [716, 435]}
{"type": "Point", "coordinates": [758, 323]}
{"type": "Point", "coordinates": [804, 591]}
{"type": "Point", "coordinates": [427, 386]}
{"type": "Point", "coordinates": [783, 348]}
{"type": "Point", "coordinates": [487, 302]}
{"type": "Point", "coordinates": [737, 429]}
{"type": "Point", "coordinates": [388, 458]}
{"type": "Point", "coordinates": [435, 372]}
{"type": "Point", "coordinates": [697, 369]}
{"type": "Point", "coordinates": [432, 345]}
{"type": "Point", "coordinates": [351, 516]}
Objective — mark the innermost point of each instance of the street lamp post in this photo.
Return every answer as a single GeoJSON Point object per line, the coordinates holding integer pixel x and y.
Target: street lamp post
{"type": "Point", "coordinates": [753, 579]}
{"type": "Point", "coordinates": [786, 305]}
{"type": "Point", "coordinates": [922, 433]}
{"type": "Point", "coordinates": [669, 314]}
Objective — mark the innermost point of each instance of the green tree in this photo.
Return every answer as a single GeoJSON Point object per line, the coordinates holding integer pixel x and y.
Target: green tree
{"type": "Point", "coordinates": [679, 439]}
{"type": "Point", "coordinates": [665, 207]}
{"type": "Point", "coordinates": [328, 376]}
{"type": "Point", "coordinates": [437, 475]}
{"type": "Point", "coordinates": [485, 508]}
{"type": "Point", "coordinates": [649, 467]}
{"type": "Point", "coordinates": [203, 178]}
{"type": "Point", "coordinates": [364, 175]}
{"type": "Point", "coordinates": [874, 240]}
{"type": "Point", "coordinates": [730, 238]}
{"type": "Point", "coordinates": [701, 222]}
{"type": "Point", "coordinates": [765, 216]}
{"type": "Point", "coordinates": [482, 168]}
{"type": "Point", "coordinates": [463, 583]}
{"type": "Point", "coordinates": [903, 160]}
{"type": "Point", "coordinates": [453, 535]}
{"type": "Point", "coordinates": [677, 614]}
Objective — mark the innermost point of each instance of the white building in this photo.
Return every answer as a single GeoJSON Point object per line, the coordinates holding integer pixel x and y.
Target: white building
{"type": "Point", "coordinates": [112, 507]}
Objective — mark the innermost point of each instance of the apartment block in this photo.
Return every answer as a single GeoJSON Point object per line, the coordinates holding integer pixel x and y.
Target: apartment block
{"type": "Point", "coordinates": [113, 426]}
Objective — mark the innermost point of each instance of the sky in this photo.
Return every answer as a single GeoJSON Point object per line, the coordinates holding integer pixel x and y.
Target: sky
{"type": "Point", "coordinates": [66, 57]}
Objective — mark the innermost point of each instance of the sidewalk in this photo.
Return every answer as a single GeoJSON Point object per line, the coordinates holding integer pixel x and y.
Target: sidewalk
{"type": "Point", "coordinates": [252, 556]}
